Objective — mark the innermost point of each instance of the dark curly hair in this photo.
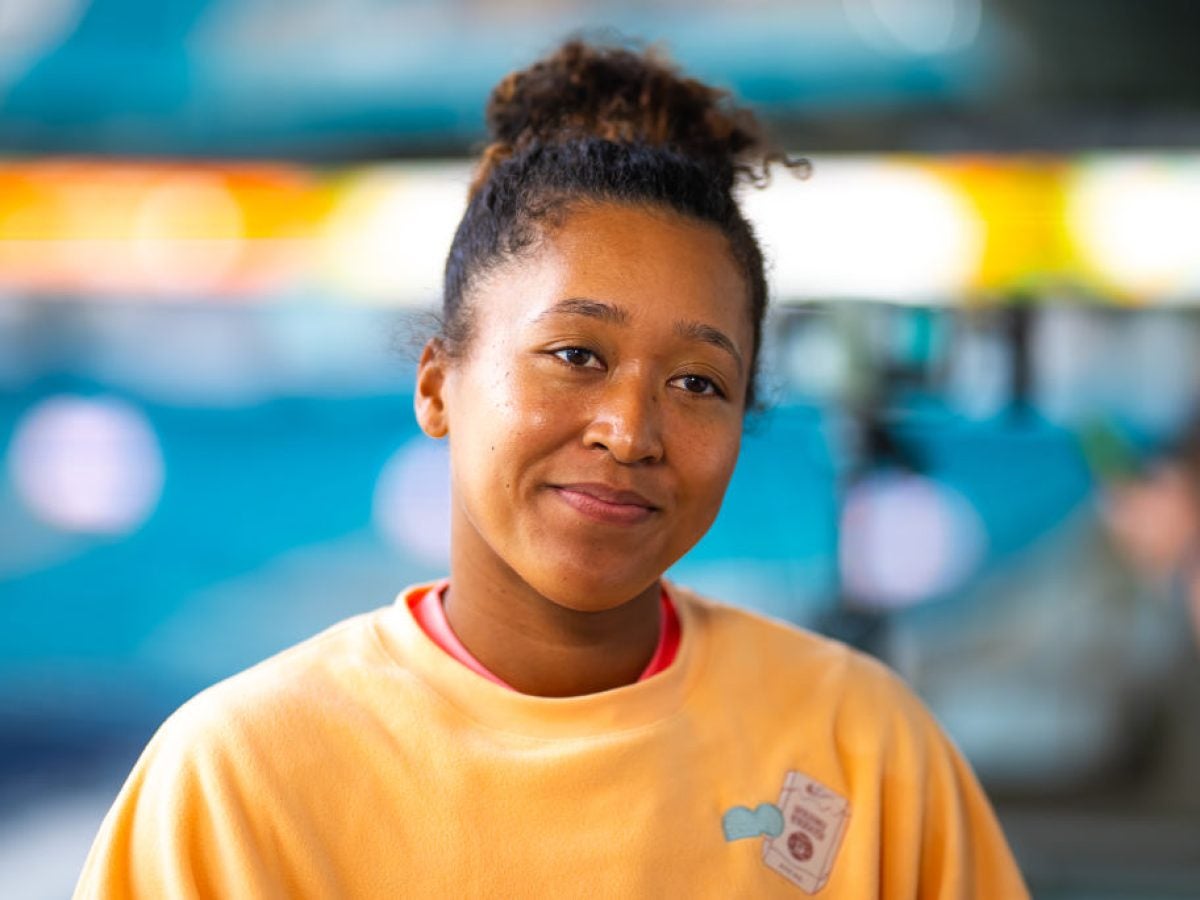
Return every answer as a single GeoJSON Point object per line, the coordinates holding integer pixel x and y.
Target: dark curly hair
{"type": "Point", "coordinates": [605, 123]}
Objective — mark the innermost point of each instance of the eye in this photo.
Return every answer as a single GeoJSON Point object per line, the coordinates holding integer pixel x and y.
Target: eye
{"type": "Point", "coordinates": [698, 384]}
{"type": "Point", "coordinates": [578, 357]}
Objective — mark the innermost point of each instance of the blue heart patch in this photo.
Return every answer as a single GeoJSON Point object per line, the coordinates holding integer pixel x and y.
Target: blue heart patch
{"type": "Point", "coordinates": [740, 822]}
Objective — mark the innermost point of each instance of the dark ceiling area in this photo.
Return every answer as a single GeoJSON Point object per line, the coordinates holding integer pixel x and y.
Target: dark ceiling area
{"type": "Point", "coordinates": [338, 80]}
{"type": "Point", "coordinates": [1079, 75]}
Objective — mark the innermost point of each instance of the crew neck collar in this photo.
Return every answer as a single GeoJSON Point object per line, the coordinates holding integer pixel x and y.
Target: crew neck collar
{"type": "Point", "coordinates": [623, 708]}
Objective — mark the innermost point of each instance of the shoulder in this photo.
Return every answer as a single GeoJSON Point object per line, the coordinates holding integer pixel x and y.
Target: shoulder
{"type": "Point", "coordinates": [279, 696]}
{"type": "Point", "coordinates": [763, 645]}
{"type": "Point", "coordinates": [793, 679]}
{"type": "Point", "coordinates": [247, 740]}
{"type": "Point", "coordinates": [226, 764]}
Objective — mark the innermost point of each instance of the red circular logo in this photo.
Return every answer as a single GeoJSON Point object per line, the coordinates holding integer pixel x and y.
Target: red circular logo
{"type": "Point", "coordinates": [800, 845]}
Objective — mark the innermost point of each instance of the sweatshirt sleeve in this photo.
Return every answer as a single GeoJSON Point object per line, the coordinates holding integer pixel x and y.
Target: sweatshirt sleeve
{"type": "Point", "coordinates": [180, 827]}
{"type": "Point", "coordinates": [940, 837]}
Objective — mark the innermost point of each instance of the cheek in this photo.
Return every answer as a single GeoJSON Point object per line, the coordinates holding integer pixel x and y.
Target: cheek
{"type": "Point", "coordinates": [500, 420]}
{"type": "Point", "coordinates": [529, 410]}
{"type": "Point", "coordinates": [708, 462]}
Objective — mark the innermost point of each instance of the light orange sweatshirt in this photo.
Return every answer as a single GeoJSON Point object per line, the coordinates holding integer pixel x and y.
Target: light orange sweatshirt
{"type": "Point", "coordinates": [366, 762]}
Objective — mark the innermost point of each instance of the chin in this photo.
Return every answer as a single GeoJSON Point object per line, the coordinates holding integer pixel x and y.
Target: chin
{"type": "Point", "coordinates": [589, 590]}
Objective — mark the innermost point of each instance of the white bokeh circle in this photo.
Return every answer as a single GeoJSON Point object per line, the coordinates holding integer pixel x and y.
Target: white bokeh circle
{"type": "Point", "coordinates": [906, 538]}
{"type": "Point", "coordinates": [411, 505]}
{"type": "Point", "coordinates": [87, 464]}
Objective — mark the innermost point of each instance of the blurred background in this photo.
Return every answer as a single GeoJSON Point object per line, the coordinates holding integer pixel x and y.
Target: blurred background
{"type": "Point", "coordinates": [222, 224]}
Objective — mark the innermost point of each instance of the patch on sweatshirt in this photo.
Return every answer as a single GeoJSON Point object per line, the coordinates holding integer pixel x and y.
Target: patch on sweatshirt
{"type": "Point", "coordinates": [814, 821]}
{"type": "Point", "coordinates": [740, 822]}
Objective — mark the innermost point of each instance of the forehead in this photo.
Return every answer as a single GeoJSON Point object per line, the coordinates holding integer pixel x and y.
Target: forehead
{"type": "Point", "coordinates": [652, 263]}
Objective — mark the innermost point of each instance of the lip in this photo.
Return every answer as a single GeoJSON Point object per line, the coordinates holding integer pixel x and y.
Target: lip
{"type": "Point", "coordinates": [606, 504]}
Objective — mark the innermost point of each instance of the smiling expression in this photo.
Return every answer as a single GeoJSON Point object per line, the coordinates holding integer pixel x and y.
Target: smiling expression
{"type": "Point", "coordinates": [595, 417]}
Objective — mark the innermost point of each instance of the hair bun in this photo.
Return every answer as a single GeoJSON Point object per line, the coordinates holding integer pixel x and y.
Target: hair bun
{"type": "Point", "coordinates": [613, 93]}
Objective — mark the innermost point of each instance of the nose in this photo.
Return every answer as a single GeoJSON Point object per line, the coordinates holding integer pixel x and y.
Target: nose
{"type": "Point", "coordinates": [626, 421]}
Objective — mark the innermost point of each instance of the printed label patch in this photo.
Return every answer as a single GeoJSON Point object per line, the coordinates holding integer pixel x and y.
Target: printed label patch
{"type": "Point", "coordinates": [814, 820]}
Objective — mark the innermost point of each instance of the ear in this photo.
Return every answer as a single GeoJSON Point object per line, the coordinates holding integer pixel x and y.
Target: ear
{"type": "Point", "coordinates": [429, 400]}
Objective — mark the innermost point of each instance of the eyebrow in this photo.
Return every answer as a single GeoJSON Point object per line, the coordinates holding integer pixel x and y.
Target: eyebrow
{"type": "Point", "coordinates": [593, 309]}
{"type": "Point", "coordinates": [698, 331]}
{"type": "Point", "coordinates": [607, 312]}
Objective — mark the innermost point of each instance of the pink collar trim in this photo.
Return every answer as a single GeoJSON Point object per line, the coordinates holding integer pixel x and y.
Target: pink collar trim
{"type": "Point", "coordinates": [430, 614]}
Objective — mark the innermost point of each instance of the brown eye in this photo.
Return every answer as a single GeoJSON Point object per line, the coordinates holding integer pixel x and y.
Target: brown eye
{"type": "Point", "coordinates": [578, 357]}
{"type": "Point", "coordinates": [698, 384]}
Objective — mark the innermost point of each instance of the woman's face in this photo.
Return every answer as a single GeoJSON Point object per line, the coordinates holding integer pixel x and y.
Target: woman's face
{"type": "Point", "coordinates": [595, 417]}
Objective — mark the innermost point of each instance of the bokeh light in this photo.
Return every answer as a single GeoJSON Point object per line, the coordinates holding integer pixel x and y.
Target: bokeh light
{"type": "Point", "coordinates": [1136, 223]}
{"type": "Point", "coordinates": [412, 500]}
{"type": "Point", "coordinates": [906, 538]}
{"type": "Point", "coordinates": [188, 233]}
{"type": "Point", "coordinates": [387, 237]}
{"type": "Point", "coordinates": [922, 237]}
{"type": "Point", "coordinates": [916, 26]}
{"type": "Point", "coordinates": [27, 30]}
{"type": "Point", "coordinates": [87, 464]}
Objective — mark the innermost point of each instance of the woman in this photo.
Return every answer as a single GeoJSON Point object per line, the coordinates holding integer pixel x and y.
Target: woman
{"type": "Point", "coordinates": [1153, 513]}
{"type": "Point", "coordinates": [552, 719]}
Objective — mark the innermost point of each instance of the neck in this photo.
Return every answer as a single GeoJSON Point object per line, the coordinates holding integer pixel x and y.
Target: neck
{"type": "Point", "coordinates": [545, 649]}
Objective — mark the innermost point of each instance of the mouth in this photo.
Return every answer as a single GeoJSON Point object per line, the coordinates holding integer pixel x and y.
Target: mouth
{"type": "Point", "coordinates": [606, 504]}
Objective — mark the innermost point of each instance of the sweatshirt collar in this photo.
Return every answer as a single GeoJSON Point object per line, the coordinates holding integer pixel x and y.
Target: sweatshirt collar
{"type": "Point", "coordinates": [624, 708]}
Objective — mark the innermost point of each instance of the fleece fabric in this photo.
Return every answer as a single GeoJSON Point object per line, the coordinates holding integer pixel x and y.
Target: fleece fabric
{"type": "Point", "coordinates": [365, 762]}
